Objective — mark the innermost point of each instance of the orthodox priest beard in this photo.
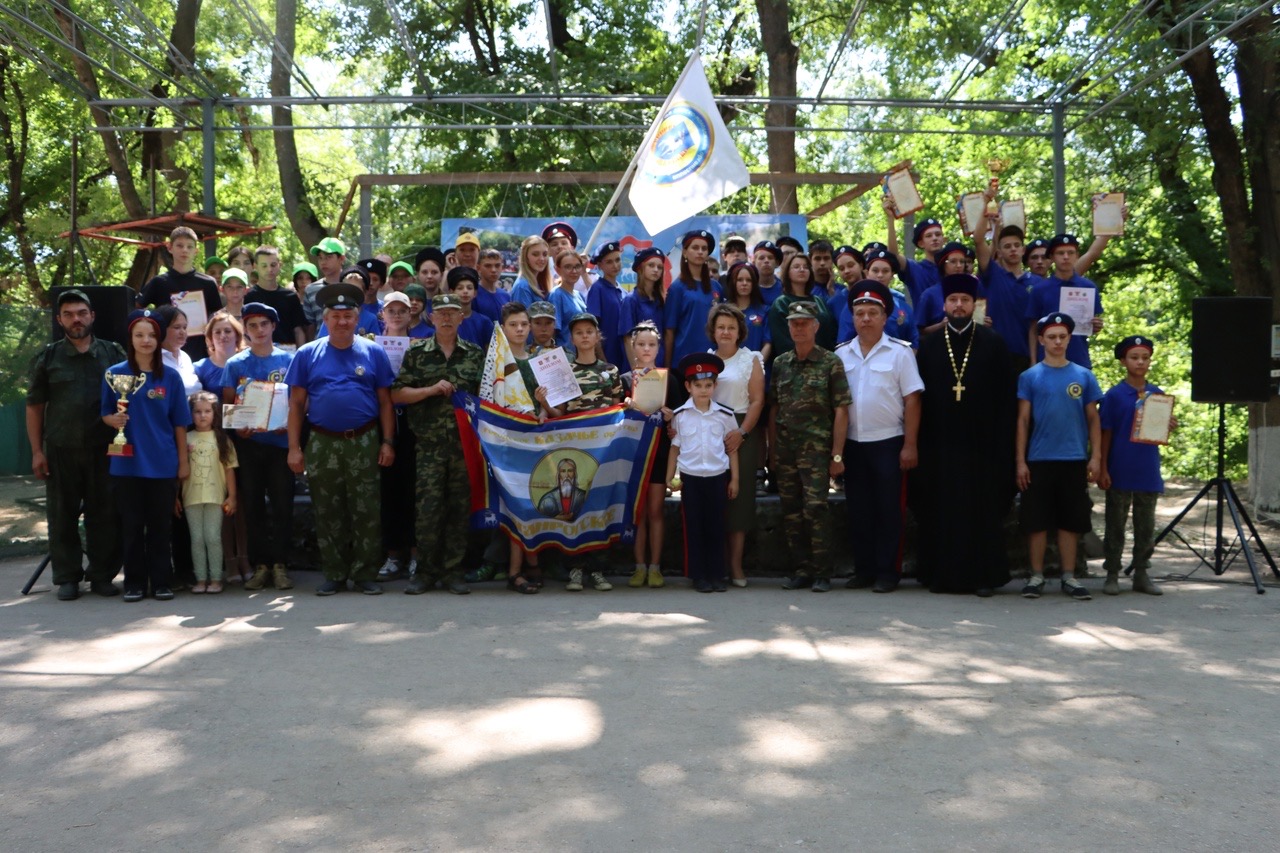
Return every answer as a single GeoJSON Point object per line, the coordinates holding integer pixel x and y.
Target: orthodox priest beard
{"type": "Point", "coordinates": [959, 330]}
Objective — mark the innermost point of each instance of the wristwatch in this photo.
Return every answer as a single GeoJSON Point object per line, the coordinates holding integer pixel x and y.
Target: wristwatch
{"type": "Point", "coordinates": [838, 458]}
{"type": "Point", "coordinates": [389, 442]}
{"type": "Point", "coordinates": [745, 433]}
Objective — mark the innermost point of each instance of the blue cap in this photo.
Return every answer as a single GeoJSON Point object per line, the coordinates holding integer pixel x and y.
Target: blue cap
{"type": "Point", "coordinates": [644, 255]}
{"type": "Point", "coordinates": [258, 309]}
{"type": "Point", "coordinates": [604, 249]}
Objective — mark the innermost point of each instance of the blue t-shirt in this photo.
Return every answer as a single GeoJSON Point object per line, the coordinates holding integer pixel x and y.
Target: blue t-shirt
{"type": "Point", "coordinates": [636, 308]}
{"type": "Point", "coordinates": [901, 323]}
{"type": "Point", "coordinates": [567, 303]}
{"type": "Point", "coordinates": [1007, 297]}
{"type": "Point", "coordinates": [1046, 298]}
{"type": "Point", "coordinates": [1058, 397]}
{"type": "Point", "coordinates": [770, 292]}
{"type": "Point", "coordinates": [245, 367]}
{"type": "Point", "coordinates": [604, 300]}
{"type": "Point", "coordinates": [686, 313]}
{"type": "Point", "coordinates": [757, 327]}
{"type": "Point", "coordinates": [155, 410]}
{"type": "Point", "coordinates": [366, 324]}
{"type": "Point", "coordinates": [422, 330]}
{"type": "Point", "coordinates": [522, 291]}
{"type": "Point", "coordinates": [919, 276]}
{"type": "Point", "coordinates": [341, 384]}
{"type": "Point", "coordinates": [210, 376]}
{"type": "Point", "coordinates": [928, 307]}
{"type": "Point", "coordinates": [478, 329]}
{"type": "Point", "coordinates": [1133, 467]}
{"type": "Point", "coordinates": [490, 304]}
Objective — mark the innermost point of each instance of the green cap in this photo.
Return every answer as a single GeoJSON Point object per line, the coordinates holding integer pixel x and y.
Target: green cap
{"type": "Point", "coordinates": [210, 261]}
{"type": "Point", "coordinates": [236, 273]}
{"type": "Point", "coordinates": [542, 308]}
{"type": "Point", "coordinates": [445, 300]}
{"type": "Point", "coordinates": [306, 267]}
{"type": "Point", "coordinates": [330, 246]}
{"type": "Point", "coordinates": [802, 311]}
{"type": "Point", "coordinates": [399, 265]}
{"type": "Point", "coordinates": [415, 291]}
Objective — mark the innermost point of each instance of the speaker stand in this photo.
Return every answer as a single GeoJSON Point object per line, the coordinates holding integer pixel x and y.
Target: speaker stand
{"type": "Point", "coordinates": [1226, 497]}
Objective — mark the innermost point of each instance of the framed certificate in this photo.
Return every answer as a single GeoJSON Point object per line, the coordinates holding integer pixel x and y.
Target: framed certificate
{"type": "Point", "coordinates": [649, 392]}
{"type": "Point", "coordinates": [1077, 303]}
{"type": "Point", "coordinates": [972, 208]}
{"type": "Point", "coordinates": [900, 187]}
{"type": "Point", "coordinates": [1108, 214]}
{"type": "Point", "coordinates": [979, 311]}
{"type": "Point", "coordinates": [554, 373]}
{"type": "Point", "coordinates": [1014, 212]}
{"type": "Point", "coordinates": [191, 303]}
{"type": "Point", "coordinates": [1153, 419]}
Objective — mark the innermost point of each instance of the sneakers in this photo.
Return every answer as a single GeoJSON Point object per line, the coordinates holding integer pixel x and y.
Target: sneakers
{"type": "Point", "coordinates": [1034, 588]}
{"type": "Point", "coordinates": [598, 582]}
{"type": "Point", "coordinates": [655, 577]}
{"type": "Point", "coordinates": [418, 586]}
{"type": "Point", "coordinates": [104, 588]}
{"type": "Point", "coordinates": [132, 595]}
{"type": "Point", "coordinates": [259, 579]}
{"type": "Point", "coordinates": [1074, 589]}
{"type": "Point", "coordinates": [638, 577]}
{"type": "Point", "coordinates": [68, 591]}
{"type": "Point", "coordinates": [162, 593]}
{"type": "Point", "coordinates": [368, 587]}
{"type": "Point", "coordinates": [575, 581]}
{"type": "Point", "coordinates": [280, 578]}
{"type": "Point", "coordinates": [329, 587]}
{"type": "Point", "coordinates": [390, 571]}
{"type": "Point", "coordinates": [413, 566]}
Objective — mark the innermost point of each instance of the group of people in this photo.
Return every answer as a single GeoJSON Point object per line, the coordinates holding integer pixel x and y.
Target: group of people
{"type": "Point", "coordinates": [948, 383]}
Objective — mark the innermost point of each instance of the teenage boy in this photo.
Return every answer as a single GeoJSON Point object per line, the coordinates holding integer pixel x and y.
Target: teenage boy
{"type": "Point", "coordinates": [766, 257]}
{"type": "Point", "coordinates": [604, 299]}
{"type": "Point", "coordinates": [466, 251]}
{"type": "Point", "coordinates": [789, 246]}
{"type": "Point", "coordinates": [399, 274]}
{"type": "Point", "coordinates": [419, 324]}
{"type": "Point", "coordinates": [291, 323]}
{"type": "Point", "coordinates": [1130, 471]}
{"type": "Point", "coordinates": [702, 471]}
{"type": "Point", "coordinates": [823, 263]}
{"type": "Point", "coordinates": [234, 287]}
{"type": "Point", "coordinates": [733, 250]}
{"type": "Point", "coordinates": [930, 315]}
{"type": "Point", "coordinates": [181, 277]}
{"type": "Point", "coordinates": [561, 237]}
{"type": "Point", "coordinates": [1008, 287]}
{"type": "Point", "coordinates": [1046, 298]}
{"type": "Point", "coordinates": [214, 267]}
{"type": "Point", "coordinates": [331, 257]}
{"type": "Point", "coordinates": [263, 475]}
{"type": "Point", "coordinates": [1058, 451]}
{"type": "Point", "coordinates": [601, 384]}
{"type": "Point", "coordinates": [476, 328]}
{"type": "Point", "coordinates": [928, 237]}
{"type": "Point", "coordinates": [490, 297]}
{"type": "Point", "coordinates": [542, 322]}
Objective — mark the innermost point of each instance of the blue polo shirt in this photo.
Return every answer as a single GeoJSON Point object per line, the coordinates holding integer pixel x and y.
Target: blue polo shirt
{"type": "Point", "coordinates": [686, 313]}
{"type": "Point", "coordinates": [1133, 467]}
{"type": "Point", "coordinates": [341, 384]}
{"type": "Point", "coordinates": [1007, 297]}
{"type": "Point", "coordinates": [155, 411]}
{"type": "Point", "coordinates": [604, 300]}
{"type": "Point", "coordinates": [245, 367]}
{"type": "Point", "coordinates": [478, 329]}
{"type": "Point", "coordinates": [490, 304]}
{"type": "Point", "coordinates": [1058, 397]}
{"type": "Point", "coordinates": [636, 308]}
{"type": "Point", "coordinates": [919, 276]}
{"type": "Point", "coordinates": [1046, 298]}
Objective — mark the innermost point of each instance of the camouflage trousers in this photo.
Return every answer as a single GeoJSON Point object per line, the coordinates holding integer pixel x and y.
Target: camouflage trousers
{"type": "Point", "coordinates": [1144, 528]}
{"type": "Point", "coordinates": [343, 475]}
{"type": "Point", "coordinates": [78, 478]}
{"type": "Point", "coordinates": [444, 506]}
{"type": "Point", "coordinates": [803, 487]}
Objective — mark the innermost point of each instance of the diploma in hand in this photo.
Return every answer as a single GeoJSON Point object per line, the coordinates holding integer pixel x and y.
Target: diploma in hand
{"type": "Point", "coordinates": [972, 207]}
{"type": "Point", "coordinates": [555, 374]}
{"type": "Point", "coordinates": [900, 187]}
{"type": "Point", "coordinates": [1108, 214]}
{"type": "Point", "coordinates": [649, 392]}
{"type": "Point", "coordinates": [123, 384]}
{"type": "Point", "coordinates": [1153, 420]}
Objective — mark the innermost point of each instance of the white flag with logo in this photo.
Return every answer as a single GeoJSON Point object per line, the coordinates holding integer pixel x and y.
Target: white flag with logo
{"type": "Point", "coordinates": [689, 161]}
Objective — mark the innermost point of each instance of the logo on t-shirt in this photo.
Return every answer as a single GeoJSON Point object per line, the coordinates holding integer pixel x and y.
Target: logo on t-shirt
{"type": "Point", "coordinates": [1075, 390]}
{"type": "Point", "coordinates": [276, 376]}
{"type": "Point", "coordinates": [156, 393]}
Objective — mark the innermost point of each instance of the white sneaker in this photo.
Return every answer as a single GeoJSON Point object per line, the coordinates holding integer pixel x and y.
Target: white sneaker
{"type": "Point", "coordinates": [413, 566]}
{"type": "Point", "coordinates": [389, 570]}
{"type": "Point", "coordinates": [575, 581]}
{"type": "Point", "coordinates": [599, 583]}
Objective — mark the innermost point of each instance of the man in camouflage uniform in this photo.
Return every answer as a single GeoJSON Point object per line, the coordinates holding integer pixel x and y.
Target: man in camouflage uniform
{"type": "Point", "coordinates": [808, 401]}
{"type": "Point", "coordinates": [433, 369]}
{"type": "Point", "coordinates": [69, 449]}
{"type": "Point", "coordinates": [340, 384]}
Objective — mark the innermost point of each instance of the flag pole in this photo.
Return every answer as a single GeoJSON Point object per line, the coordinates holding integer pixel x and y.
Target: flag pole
{"type": "Point", "coordinates": [631, 167]}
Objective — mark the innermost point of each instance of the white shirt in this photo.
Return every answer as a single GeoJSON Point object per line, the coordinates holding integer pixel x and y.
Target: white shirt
{"type": "Point", "coordinates": [731, 386]}
{"type": "Point", "coordinates": [182, 363]}
{"type": "Point", "coordinates": [700, 437]}
{"type": "Point", "coordinates": [879, 383]}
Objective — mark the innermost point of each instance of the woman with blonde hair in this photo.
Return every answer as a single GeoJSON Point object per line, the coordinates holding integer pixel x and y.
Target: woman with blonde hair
{"type": "Point", "coordinates": [534, 283]}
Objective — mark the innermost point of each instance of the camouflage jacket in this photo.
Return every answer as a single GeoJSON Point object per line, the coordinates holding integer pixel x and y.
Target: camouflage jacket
{"type": "Point", "coordinates": [424, 365]}
{"type": "Point", "coordinates": [601, 385]}
{"type": "Point", "coordinates": [806, 393]}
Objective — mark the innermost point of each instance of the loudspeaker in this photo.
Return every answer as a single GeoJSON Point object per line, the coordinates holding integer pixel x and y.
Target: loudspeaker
{"type": "Point", "coordinates": [1231, 349]}
{"type": "Point", "coordinates": [111, 307]}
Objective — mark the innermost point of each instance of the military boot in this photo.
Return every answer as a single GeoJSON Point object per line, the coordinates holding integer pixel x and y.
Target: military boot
{"type": "Point", "coordinates": [1143, 583]}
{"type": "Point", "coordinates": [259, 579]}
{"type": "Point", "coordinates": [280, 578]}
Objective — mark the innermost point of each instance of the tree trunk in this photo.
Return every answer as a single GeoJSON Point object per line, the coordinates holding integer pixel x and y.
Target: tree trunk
{"type": "Point", "coordinates": [14, 137]}
{"type": "Point", "coordinates": [302, 217]}
{"type": "Point", "coordinates": [783, 57]}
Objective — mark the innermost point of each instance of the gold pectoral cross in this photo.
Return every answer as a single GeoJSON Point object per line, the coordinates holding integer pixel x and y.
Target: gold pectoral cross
{"type": "Point", "coordinates": [959, 389]}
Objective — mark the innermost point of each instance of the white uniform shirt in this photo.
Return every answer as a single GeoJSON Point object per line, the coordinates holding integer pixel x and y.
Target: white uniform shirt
{"type": "Point", "coordinates": [879, 383]}
{"type": "Point", "coordinates": [700, 437]}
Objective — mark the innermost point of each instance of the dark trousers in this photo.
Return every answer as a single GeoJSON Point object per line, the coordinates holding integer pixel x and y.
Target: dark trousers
{"type": "Point", "coordinates": [146, 516]}
{"type": "Point", "coordinates": [78, 477]}
{"type": "Point", "coordinates": [702, 506]}
{"type": "Point", "coordinates": [398, 504]}
{"type": "Point", "coordinates": [264, 476]}
{"type": "Point", "coordinates": [875, 497]}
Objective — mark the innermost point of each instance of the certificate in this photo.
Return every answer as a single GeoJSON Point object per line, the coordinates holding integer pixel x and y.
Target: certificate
{"type": "Point", "coordinates": [900, 187]}
{"type": "Point", "coordinates": [972, 208]}
{"type": "Point", "coordinates": [395, 347]}
{"type": "Point", "coordinates": [263, 407]}
{"type": "Point", "coordinates": [1014, 212]}
{"type": "Point", "coordinates": [191, 303]}
{"type": "Point", "coordinates": [649, 392]}
{"type": "Point", "coordinates": [554, 373]}
{"type": "Point", "coordinates": [1153, 419]}
{"type": "Point", "coordinates": [979, 311]}
{"type": "Point", "coordinates": [1108, 214]}
{"type": "Point", "coordinates": [1077, 303]}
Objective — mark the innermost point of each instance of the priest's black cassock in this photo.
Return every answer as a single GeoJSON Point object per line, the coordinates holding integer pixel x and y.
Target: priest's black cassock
{"type": "Point", "coordinates": [966, 479]}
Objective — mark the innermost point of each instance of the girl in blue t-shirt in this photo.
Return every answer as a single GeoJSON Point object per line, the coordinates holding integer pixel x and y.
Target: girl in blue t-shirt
{"type": "Point", "coordinates": [744, 293]}
{"type": "Point", "coordinates": [690, 298]}
{"type": "Point", "coordinates": [144, 477]}
{"type": "Point", "coordinates": [645, 302]}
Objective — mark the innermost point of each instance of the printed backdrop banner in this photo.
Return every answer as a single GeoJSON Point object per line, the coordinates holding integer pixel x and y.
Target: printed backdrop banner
{"type": "Point", "coordinates": [573, 482]}
{"type": "Point", "coordinates": [505, 233]}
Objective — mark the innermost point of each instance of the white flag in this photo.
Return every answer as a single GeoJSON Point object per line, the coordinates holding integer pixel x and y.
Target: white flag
{"type": "Point", "coordinates": [689, 161]}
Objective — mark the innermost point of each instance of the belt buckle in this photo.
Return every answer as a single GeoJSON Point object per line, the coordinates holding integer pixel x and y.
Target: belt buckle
{"type": "Point", "coordinates": [349, 434]}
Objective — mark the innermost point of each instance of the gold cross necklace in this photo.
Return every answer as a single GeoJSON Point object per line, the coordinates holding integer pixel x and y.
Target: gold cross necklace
{"type": "Point", "coordinates": [964, 365]}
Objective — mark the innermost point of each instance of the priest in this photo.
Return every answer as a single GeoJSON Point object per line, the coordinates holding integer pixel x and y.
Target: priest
{"type": "Point", "coordinates": [966, 478]}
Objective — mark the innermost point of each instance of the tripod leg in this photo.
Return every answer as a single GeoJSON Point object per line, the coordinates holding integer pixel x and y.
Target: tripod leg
{"type": "Point", "coordinates": [1244, 543]}
{"type": "Point", "coordinates": [26, 590]}
{"type": "Point", "coordinates": [1262, 546]}
{"type": "Point", "coordinates": [1168, 528]}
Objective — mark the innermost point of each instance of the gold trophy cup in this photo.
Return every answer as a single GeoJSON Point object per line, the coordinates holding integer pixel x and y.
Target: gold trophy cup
{"type": "Point", "coordinates": [123, 384]}
{"type": "Point", "coordinates": [996, 166]}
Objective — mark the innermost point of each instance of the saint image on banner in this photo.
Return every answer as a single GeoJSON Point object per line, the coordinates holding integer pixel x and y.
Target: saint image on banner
{"type": "Point", "coordinates": [568, 493]}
